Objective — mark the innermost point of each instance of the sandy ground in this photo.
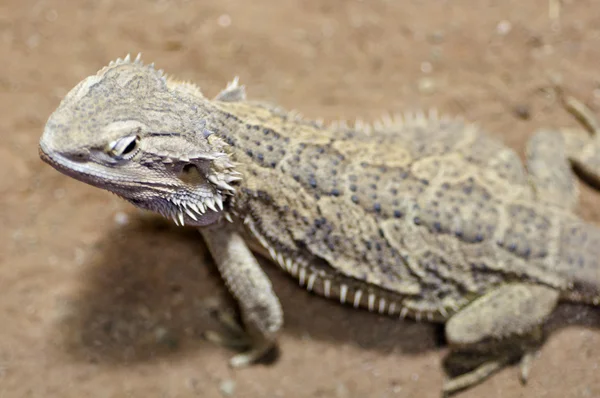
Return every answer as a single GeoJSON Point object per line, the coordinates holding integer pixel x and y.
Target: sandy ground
{"type": "Point", "coordinates": [97, 301]}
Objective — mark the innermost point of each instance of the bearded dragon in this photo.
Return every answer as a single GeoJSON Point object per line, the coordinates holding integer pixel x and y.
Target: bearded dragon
{"type": "Point", "coordinates": [421, 215]}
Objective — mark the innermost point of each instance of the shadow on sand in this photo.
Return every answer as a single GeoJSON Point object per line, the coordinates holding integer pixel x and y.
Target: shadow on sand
{"type": "Point", "coordinates": [150, 289]}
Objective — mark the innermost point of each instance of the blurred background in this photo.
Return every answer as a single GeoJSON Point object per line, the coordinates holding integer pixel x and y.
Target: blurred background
{"type": "Point", "coordinates": [98, 301]}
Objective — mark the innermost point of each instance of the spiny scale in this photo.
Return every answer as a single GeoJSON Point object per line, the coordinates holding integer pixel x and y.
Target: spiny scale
{"type": "Point", "coordinates": [194, 210]}
{"type": "Point", "coordinates": [387, 121]}
{"type": "Point", "coordinates": [346, 294]}
{"type": "Point", "coordinates": [137, 61]}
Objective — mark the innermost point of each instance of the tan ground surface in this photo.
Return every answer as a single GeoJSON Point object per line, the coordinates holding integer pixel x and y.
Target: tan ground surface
{"type": "Point", "coordinates": [97, 302]}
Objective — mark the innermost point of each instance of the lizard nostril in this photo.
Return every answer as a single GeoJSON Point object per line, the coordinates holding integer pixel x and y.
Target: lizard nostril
{"type": "Point", "coordinates": [77, 157]}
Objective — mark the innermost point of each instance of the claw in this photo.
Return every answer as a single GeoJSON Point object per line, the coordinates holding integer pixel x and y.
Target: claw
{"type": "Point", "coordinates": [583, 114]}
{"type": "Point", "coordinates": [470, 379]}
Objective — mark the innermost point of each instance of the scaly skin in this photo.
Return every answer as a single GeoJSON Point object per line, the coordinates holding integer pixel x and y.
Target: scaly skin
{"type": "Point", "coordinates": [419, 216]}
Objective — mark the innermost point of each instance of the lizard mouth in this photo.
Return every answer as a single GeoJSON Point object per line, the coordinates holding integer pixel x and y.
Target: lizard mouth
{"type": "Point", "coordinates": [66, 166]}
{"type": "Point", "coordinates": [83, 171]}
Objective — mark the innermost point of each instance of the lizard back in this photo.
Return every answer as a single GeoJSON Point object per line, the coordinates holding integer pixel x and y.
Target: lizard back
{"type": "Point", "coordinates": [421, 212]}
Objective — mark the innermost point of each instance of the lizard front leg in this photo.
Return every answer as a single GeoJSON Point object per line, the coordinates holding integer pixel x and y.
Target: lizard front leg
{"type": "Point", "coordinates": [552, 153]}
{"type": "Point", "coordinates": [505, 318]}
{"type": "Point", "coordinates": [260, 309]}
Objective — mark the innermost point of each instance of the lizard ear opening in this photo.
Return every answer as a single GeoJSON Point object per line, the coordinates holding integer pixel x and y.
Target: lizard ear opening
{"type": "Point", "coordinates": [187, 168]}
{"type": "Point", "coordinates": [190, 174]}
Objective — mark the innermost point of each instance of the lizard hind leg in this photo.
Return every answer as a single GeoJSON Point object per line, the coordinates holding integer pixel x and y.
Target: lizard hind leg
{"type": "Point", "coordinates": [499, 328]}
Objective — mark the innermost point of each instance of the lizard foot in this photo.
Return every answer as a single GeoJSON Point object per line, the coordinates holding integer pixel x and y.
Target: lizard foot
{"type": "Point", "coordinates": [472, 378]}
{"type": "Point", "coordinates": [486, 369]}
{"type": "Point", "coordinates": [237, 338]}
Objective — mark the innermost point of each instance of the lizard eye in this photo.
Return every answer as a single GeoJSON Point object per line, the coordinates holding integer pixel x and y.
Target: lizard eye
{"type": "Point", "coordinates": [124, 148]}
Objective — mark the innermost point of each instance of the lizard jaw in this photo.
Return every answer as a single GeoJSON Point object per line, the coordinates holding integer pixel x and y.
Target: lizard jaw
{"type": "Point", "coordinates": [202, 211]}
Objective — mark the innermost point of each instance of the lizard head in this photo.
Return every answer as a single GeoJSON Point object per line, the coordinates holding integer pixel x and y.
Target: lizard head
{"type": "Point", "coordinates": [134, 132]}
